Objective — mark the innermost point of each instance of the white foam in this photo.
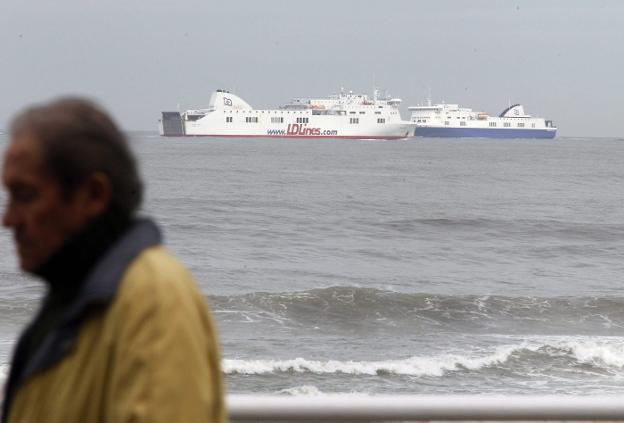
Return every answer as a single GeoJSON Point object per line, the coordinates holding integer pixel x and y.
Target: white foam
{"type": "Point", "coordinates": [308, 390]}
{"type": "Point", "coordinates": [600, 352]}
{"type": "Point", "coordinates": [413, 366]}
{"type": "Point", "coordinates": [311, 390]}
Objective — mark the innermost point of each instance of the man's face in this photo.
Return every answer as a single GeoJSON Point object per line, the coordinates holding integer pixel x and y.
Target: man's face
{"type": "Point", "coordinates": [40, 217]}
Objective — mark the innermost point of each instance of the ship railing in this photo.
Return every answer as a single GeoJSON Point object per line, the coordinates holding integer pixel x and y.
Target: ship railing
{"type": "Point", "coordinates": [383, 408]}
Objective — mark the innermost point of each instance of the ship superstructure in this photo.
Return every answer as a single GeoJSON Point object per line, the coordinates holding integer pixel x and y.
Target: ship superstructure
{"type": "Point", "coordinates": [343, 115]}
{"type": "Point", "coordinates": [451, 120]}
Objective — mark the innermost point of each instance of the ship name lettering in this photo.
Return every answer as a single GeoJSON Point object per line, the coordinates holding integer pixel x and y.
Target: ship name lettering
{"type": "Point", "coordinates": [299, 129]}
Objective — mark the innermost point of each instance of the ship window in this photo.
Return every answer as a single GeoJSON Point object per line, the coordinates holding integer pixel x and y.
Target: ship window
{"type": "Point", "coordinates": [462, 123]}
{"type": "Point", "coordinates": [354, 120]}
{"type": "Point", "coordinates": [381, 120]}
{"type": "Point", "coordinates": [251, 119]}
{"type": "Point", "coordinates": [520, 125]}
{"type": "Point", "coordinates": [506, 124]}
{"type": "Point", "coordinates": [446, 123]}
{"type": "Point", "coordinates": [532, 125]}
{"type": "Point", "coordinates": [352, 113]}
{"type": "Point", "coordinates": [377, 113]}
{"type": "Point", "coordinates": [493, 124]}
{"type": "Point", "coordinates": [362, 113]}
{"type": "Point", "coordinates": [228, 118]}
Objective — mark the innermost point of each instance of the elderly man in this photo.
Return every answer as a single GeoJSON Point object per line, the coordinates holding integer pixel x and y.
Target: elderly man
{"type": "Point", "coordinates": [123, 333]}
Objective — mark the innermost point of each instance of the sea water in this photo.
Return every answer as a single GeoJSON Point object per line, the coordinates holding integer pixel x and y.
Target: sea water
{"type": "Point", "coordinates": [416, 266]}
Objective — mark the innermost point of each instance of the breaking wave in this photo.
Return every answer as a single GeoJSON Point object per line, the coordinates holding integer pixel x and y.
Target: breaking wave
{"type": "Point", "coordinates": [597, 356]}
{"type": "Point", "coordinates": [340, 306]}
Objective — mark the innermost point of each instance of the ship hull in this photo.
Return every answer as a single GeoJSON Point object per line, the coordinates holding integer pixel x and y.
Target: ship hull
{"type": "Point", "coordinates": [500, 133]}
{"type": "Point", "coordinates": [346, 137]}
{"type": "Point", "coordinates": [338, 127]}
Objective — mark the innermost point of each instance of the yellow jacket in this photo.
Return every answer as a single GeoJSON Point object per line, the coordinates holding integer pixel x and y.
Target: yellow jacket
{"type": "Point", "coordinates": [149, 355]}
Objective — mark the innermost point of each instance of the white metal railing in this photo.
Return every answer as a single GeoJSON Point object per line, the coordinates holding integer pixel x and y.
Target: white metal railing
{"type": "Point", "coordinates": [361, 408]}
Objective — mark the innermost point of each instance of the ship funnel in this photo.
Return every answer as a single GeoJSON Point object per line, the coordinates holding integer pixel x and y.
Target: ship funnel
{"type": "Point", "coordinates": [224, 100]}
{"type": "Point", "coordinates": [514, 111]}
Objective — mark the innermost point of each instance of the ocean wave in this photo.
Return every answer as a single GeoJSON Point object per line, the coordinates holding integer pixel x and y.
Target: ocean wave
{"type": "Point", "coordinates": [354, 306]}
{"type": "Point", "coordinates": [524, 228]}
{"type": "Point", "coordinates": [587, 355]}
{"type": "Point", "coordinates": [413, 366]}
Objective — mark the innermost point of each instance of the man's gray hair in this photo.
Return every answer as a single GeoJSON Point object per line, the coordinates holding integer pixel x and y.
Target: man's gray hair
{"type": "Point", "coordinates": [78, 139]}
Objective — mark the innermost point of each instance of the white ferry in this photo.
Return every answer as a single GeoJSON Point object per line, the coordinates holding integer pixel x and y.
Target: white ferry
{"type": "Point", "coordinates": [450, 120]}
{"type": "Point", "coordinates": [345, 115]}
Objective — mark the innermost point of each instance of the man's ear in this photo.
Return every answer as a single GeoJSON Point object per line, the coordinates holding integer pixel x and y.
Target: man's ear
{"type": "Point", "coordinates": [96, 194]}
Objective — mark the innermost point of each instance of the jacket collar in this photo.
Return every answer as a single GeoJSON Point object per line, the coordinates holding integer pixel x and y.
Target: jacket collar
{"type": "Point", "coordinates": [98, 290]}
{"type": "Point", "coordinates": [102, 283]}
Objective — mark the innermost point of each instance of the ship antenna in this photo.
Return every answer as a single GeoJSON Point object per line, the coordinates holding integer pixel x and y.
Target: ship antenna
{"type": "Point", "coordinates": [429, 97]}
{"type": "Point", "coordinates": [374, 88]}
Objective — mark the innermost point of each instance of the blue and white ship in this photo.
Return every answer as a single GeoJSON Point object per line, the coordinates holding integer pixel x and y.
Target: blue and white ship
{"type": "Point", "coordinates": [453, 121]}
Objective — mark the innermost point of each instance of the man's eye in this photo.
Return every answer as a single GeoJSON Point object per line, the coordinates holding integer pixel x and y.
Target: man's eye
{"type": "Point", "coordinates": [24, 194]}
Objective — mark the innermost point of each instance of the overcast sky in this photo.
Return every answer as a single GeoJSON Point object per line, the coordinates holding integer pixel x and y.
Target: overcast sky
{"type": "Point", "coordinates": [563, 60]}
